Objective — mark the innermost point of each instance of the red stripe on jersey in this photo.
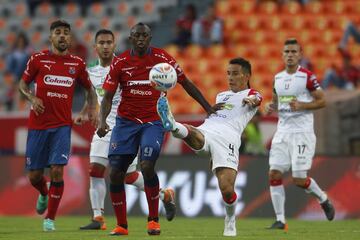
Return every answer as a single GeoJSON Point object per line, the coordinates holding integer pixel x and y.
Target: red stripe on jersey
{"type": "Point", "coordinates": [311, 81]}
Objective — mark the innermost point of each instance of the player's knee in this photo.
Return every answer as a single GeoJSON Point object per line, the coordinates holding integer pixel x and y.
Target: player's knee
{"type": "Point", "coordinates": [56, 173]}
{"type": "Point", "coordinates": [96, 170]}
{"type": "Point", "coordinates": [147, 169]}
{"type": "Point", "coordinates": [117, 176]}
{"type": "Point", "coordinates": [275, 175]}
{"type": "Point", "coordinates": [301, 182]}
{"type": "Point", "coordinates": [35, 177]}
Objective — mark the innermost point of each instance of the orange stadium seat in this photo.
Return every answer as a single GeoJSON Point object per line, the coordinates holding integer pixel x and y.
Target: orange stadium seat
{"type": "Point", "coordinates": [45, 10]}
{"type": "Point", "coordinates": [149, 7]}
{"type": "Point", "coordinates": [315, 7]}
{"type": "Point", "coordinates": [70, 10]}
{"type": "Point", "coordinates": [292, 7]}
{"type": "Point", "coordinates": [173, 50]}
{"type": "Point", "coordinates": [21, 10]}
{"type": "Point", "coordinates": [96, 10]}
{"type": "Point", "coordinates": [268, 7]}
{"type": "Point", "coordinates": [193, 52]}
{"type": "Point", "coordinates": [122, 8]}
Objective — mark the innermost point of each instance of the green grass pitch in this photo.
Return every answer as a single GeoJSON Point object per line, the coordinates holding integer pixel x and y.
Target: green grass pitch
{"type": "Point", "coordinates": [26, 228]}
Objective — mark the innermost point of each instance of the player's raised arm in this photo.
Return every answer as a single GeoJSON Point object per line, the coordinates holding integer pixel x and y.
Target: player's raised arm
{"type": "Point", "coordinates": [37, 104]}
{"type": "Point", "coordinates": [195, 93]}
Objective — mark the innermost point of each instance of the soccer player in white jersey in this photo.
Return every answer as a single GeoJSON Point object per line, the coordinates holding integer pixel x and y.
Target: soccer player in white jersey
{"type": "Point", "coordinates": [104, 47]}
{"type": "Point", "coordinates": [220, 135]}
{"type": "Point", "coordinates": [296, 93]}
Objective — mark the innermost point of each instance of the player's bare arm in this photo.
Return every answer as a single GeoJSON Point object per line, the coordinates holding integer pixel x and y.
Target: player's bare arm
{"type": "Point", "coordinates": [272, 106]}
{"type": "Point", "coordinates": [36, 103]}
{"type": "Point", "coordinates": [318, 102]}
{"type": "Point", "coordinates": [105, 109]}
{"type": "Point", "coordinates": [91, 102]}
{"type": "Point", "coordinates": [195, 93]}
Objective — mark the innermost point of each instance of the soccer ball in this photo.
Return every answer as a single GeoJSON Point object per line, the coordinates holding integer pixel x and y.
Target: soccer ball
{"type": "Point", "coordinates": [163, 77]}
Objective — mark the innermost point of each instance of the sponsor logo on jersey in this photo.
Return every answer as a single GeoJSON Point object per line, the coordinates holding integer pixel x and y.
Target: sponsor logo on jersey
{"type": "Point", "coordinates": [47, 61]}
{"type": "Point", "coordinates": [140, 92]}
{"type": "Point", "coordinates": [48, 66]}
{"type": "Point", "coordinates": [71, 64]}
{"type": "Point", "coordinates": [57, 95]}
{"type": "Point", "coordinates": [139, 83]}
{"type": "Point", "coordinates": [228, 106]}
{"type": "Point", "coordinates": [286, 99]}
{"type": "Point", "coordinates": [58, 80]}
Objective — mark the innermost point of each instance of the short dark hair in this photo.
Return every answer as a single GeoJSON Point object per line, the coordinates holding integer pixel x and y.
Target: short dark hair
{"type": "Point", "coordinates": [104, 31]}
{"type": "Point", "coordinates": [59, 23]}
{"type": "Point", "coordinates": [245, 64]}
{"type": "Point", "coordinates": [291, 41]}
{"type": "Point", "coordinates": [139, 24]}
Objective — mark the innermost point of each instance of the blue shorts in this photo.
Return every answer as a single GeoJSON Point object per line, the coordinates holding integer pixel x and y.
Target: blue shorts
{"type": "Point", "coordinates": [47, 147]}
{"type": "Point", "coordinates": [128, 137]}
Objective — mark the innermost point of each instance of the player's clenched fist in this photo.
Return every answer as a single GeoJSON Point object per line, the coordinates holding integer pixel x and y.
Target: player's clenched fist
{"type": "Point", "coordinates": [103, 129]}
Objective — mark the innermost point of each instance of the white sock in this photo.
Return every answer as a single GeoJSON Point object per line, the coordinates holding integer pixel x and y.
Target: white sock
{"type": "Point", "coordinates": [139, 182]}
{"type": "Point", "coordinates": [181, 131]}
{"type": "Point", "coordinates": [97, 195]}
{"type": "Point", "coordinates": [316, 191]}
{"type": "Point", "coordinates": [278, 200]}
{"type": "Point", "coordinates": [230, 209]}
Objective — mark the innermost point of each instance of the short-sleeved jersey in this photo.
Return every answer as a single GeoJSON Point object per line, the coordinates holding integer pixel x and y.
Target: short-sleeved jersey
{"type": "Point", "coordinates": [138, 102]}
{"type": "Point", "coordinates": [232, 119]}
{"type": "Point", "coordinates": [54, 79]}
{"type": "Point", "coordinates": [298, 85]}
{"type": "Point", "coordinates": [97, 74]}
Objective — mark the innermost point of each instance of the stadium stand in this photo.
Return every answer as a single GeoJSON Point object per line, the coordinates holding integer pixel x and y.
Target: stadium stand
{"type": "Point", "coordinates": [251, 31]}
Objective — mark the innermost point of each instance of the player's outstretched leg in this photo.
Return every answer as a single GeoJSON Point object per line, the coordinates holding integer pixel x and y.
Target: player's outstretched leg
{"type": "Point", "coordinates": [167, 196]}
{"type": "Point", "coordinates": [165, 114]}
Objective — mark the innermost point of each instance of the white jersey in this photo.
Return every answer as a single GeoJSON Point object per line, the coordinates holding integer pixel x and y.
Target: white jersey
{"type": "Point", "coordinates": [295, 86]}
{"type": "Point", "coordinates": [233, 118]}
{"type": "Point", "coordinates": [97, 74]}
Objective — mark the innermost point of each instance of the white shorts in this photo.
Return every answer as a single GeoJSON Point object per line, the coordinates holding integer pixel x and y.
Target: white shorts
{"type": "Point", "coordinates": [99, 150]}
{"type": "Point", "coordinates": [223, 151]}
{"type": "Point", "coordinates": [292, 150]}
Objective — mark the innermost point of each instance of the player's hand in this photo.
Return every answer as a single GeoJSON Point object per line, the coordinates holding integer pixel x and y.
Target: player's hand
{"type": "Point", "coordinates": [80, 119]}
{"type": "Point", "coordinates": [270, 108]}
{"type": "Point", "coordinates": [93, 117]}
{"type": "Point", "coordinates": [37, 106]}
{"type": "Point", "coordinates": [218, 106]}
{"type": "Point", "coordinates": [251, 100]}
{"type": "Point", "coordinates": [103, 129]}
{"type": "Point", "coordinates": [295, 105]}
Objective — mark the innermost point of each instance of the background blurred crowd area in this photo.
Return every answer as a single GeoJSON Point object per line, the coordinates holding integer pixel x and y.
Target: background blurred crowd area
{"type": "Point", "coordinates": [201, 35]}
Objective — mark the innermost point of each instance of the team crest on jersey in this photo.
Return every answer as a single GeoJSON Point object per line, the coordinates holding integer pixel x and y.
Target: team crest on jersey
{"type": "Point", "coordinates": [113, 145]}
{"type": "Point", "coordinates": [28, 161]}
{"type": "Point", "coordinates": [72, 70]}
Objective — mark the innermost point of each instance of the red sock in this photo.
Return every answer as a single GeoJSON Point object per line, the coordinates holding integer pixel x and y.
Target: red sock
{"type": "Point", "coordinates": [55, 193]}
{"type": "Point", "coordinates": [41, 186]}
{"type": "Point", "coordinates": [152, 196]}
{"type": "Point", "coordinates": [118, 199]}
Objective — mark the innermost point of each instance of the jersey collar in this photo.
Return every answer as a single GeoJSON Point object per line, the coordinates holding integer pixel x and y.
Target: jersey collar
{"type": "Point", "coordinates": [148, 52]}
